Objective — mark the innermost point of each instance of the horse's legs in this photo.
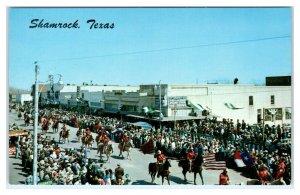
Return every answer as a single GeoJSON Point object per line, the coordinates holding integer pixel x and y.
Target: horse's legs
{"type": "Point", "coordinates": [101, 159]}
{"type": "Point", "coordinates": [200, 173]}
{"type": "Point", "coordinates": [128, 155]}
{"type": "Point", "coordinates": [152, 177]}
{"type": "Point", "coordinates": [184, 175]}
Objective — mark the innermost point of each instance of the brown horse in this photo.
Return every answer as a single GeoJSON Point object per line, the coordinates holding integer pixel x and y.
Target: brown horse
{"type": "Point", "coordinates": [98, 139]}
{"type": "Point", "coordinates": [64, 135]}
{"type": "Point", "coordinates": [87, 140]}
{"type": "Point", "coordinates": [79, 134]}
{"type": "Point", "coordinates": [55, 126]}
{"type": "Point", "coordinates": [161, 170]}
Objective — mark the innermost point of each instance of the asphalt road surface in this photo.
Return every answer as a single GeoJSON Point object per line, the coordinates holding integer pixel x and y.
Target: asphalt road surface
{"type": "Point", "coordinates": [137, 167]}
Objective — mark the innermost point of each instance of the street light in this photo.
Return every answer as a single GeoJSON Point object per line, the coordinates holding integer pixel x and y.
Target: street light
{"type": "Point", "coordinates": [36, 111]}
{"type": "Point", "coordinates": [54, 88]}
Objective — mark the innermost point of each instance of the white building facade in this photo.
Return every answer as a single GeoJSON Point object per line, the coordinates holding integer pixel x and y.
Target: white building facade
{"type": "Point", "coordinates": [267, 104]}
{"type": "Point", "coordinates": [23, 98]}
{"type": "Point", "coordinates": [244, 102]}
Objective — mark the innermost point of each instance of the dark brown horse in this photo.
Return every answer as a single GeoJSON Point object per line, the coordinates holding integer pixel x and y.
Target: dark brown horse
{"type": "Point", "coordinates": [196, 167]}
{"type": "Point", "coordinates": [55, 126]}
{"type": "Point", "coordinates": [160, 170]}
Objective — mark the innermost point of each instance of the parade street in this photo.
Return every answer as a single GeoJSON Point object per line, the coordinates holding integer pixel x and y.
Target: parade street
{"type": "Point", "coordinates": [136, 168]}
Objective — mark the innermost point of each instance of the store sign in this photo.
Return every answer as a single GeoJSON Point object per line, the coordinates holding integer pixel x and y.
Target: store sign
{"type": "Point", "coordinates": [179, 101]}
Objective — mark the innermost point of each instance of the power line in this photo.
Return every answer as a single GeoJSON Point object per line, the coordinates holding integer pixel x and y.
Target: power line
{"type": "Point", "coordinates": [171, 49]}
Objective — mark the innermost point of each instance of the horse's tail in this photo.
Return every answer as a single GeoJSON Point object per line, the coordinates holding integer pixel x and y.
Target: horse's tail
{"type": "Point", "coordinates": [179, 163]}
{"type": "Point", "coordinates": [149, 168]}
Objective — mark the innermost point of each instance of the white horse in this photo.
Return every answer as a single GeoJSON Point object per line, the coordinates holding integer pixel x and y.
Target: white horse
{"type": "Point", "coordinates": [106, 149]}
{"type": "Point", "coordinates": [127, 146]}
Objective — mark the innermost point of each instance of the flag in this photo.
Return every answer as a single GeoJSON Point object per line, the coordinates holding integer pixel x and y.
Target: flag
{"type": "Point", "coordinates": [148, 148]}
{"type": "Point", "coordinates": [238, 159]}
{"type": "Point", "coordinates": [247, 158]}
{"type": "Point", "coordinates": [210, 162]}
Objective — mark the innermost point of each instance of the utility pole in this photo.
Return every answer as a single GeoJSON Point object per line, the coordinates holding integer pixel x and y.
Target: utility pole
{"type": "Point", "coordinates": [36, 112]}
{"type": "Point", "coordinates": [160, 114]}
{"type": "Point", "coordinates": [175, 110]}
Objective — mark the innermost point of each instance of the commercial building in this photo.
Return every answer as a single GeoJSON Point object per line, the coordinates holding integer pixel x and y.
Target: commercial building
{"type": "Point", "coordinates": [252, 103]}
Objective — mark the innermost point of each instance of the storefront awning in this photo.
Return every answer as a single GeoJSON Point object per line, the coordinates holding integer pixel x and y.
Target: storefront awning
{"type": "Point", "coordinates": [13, 133]}
{"type": "Point", "coordinates": [231, 106]}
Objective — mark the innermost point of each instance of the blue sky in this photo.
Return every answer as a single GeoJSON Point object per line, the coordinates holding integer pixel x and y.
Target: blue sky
{"type": "Point", "coordinates": [174, 45]}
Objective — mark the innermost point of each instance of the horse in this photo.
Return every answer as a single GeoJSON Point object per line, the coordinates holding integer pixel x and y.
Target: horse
{"type": "Point", "coordinates": [106, 149]}
{"type": "Point", "coordinates": [27, 120]}
{"type": "Point", "coordinates": [184, 163]}
{"type": "Point", "coordinates": [87, 140]}
{"type": "Point", "coordinates": [79, 134]}
{"type": "Point", "coordinates": [45, 127]}
{"type": "Point", "coordinates": [196, 168]}
{"type": "Point", "coordinates": [127, 146]}
{"type": "Point", "coordinates": [98, 139]}
{"type": "Point", "coordinates": [64, 135]}
{"type": "Point", "coordinates": [154, 169]}
{"type": "Point", "coordinates": [55, 126]}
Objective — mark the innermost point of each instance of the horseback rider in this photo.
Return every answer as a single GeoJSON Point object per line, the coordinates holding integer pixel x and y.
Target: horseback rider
{"type": "Point", "coordinates": [160, 157]}
{"type": "Point", "coordinates": [125, 139]}
{"type": "Point", "coordinates": [105, 140]}
{"type": "Point", "coordinates": [190, 157]}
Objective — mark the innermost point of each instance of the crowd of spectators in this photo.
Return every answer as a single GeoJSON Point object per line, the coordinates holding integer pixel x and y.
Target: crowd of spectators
{"type": "Point", "coordinates": [268, 146]}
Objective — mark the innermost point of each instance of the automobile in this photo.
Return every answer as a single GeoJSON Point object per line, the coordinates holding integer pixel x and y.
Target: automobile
{"type": "Point", "coordinates": [118, 134]}
{"type": "Point", "coordinates": [13, 138]}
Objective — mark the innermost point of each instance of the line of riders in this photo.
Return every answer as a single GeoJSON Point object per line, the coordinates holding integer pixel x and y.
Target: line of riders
{"type": "Point", "coordinates": [190, 163]}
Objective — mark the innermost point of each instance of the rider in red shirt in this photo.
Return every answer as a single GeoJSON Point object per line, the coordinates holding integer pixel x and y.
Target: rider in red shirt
{"type": "Point", "coordinates": [105, 139]}
{"type": "Point", "coordinates": [125, 139]}
{"type": "Point", "coordinates": [160, 157]}
{"type": "Point", "coordinates": [190, 157]}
